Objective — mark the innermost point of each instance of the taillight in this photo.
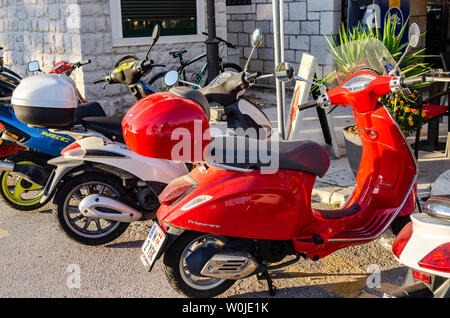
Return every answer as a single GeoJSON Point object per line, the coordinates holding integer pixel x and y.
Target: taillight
{"type": "Point", "coordinates": [2, 127]}
{"type": "Point", "coordinates": [402, 239]}
{"type": "Point", "coordinates": [438, 259]}
{"type": "Point", "coordinates": [73, 150]}
{"type": "Point", "coordinates": [421, 276]}
{"type": "Point", "coordinates": [176, 189]}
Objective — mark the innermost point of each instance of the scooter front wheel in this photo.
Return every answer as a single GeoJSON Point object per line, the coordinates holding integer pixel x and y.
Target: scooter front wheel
{"type": "Point", "coordinates": [89, 231]}
{"type": "Point", "coordinates": [178, 274]}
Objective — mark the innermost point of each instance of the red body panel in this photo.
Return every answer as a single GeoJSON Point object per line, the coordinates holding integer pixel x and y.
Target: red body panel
{"type": "Point", "coordinates": [165, 126]}
{"type": "Point", "coordinates": [278, 206]}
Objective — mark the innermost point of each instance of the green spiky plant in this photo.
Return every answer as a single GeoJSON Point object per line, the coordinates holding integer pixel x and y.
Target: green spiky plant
{"type": "Point", "coordinates": [404, 107]}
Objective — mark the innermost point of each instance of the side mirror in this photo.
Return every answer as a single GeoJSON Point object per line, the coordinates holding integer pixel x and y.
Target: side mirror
{"type": "Point", "coordinates": [414, 38]}
{"type": "Point", "coordinates": [256, 41]}
{"type": "Point", "coordinates": [155, 37]}
{"type": "Point", "coordinates": [414, 35]}
{"type": "Point", "coordinates": [156, 33]}
{"type": "Point", "coordinates": [285, 72]}
{"type": "Point", "coordinates": [256, 38]}
{"type": "Point", "coordinates": [171, 78]}
{"type": "Point", "coordinates": [33, 66]}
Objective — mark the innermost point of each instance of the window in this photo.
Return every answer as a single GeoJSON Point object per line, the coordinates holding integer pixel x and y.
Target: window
{"type": "Point", "coordinates": [180, 21]}
{"type": "Point", "coordinates": [175, 17]}
{"type": "Point", "coordinates": [238, 2]}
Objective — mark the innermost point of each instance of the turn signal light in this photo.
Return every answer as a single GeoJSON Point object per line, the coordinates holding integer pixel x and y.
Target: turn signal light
{"type": "Point", "coordinates": [438, 259]}
{"type": "Point", "coordinates": [402, 239]}
{"type": "Point", "coordinates": [176, 189]}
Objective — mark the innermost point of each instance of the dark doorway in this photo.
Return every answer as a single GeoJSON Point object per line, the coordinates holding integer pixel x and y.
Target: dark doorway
{"type": "Point", "coordinates": [437, 29]}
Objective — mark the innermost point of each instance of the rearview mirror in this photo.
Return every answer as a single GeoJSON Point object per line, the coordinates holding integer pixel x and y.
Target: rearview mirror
{"type": "Point", "coordinates": [256, 38]}
{"type": "Point", "coordinates": [414, 35]}
{"type": "Point", "coordinates": [156, 33]}
{"type": "Point", "coordinates": [256, 41]}
{"type": "Point", "coordinates": [33, 66]}
{"type": "Point", "coordinates": [171, 78]}
{"type": "Point", "coordinates": [285, 72]}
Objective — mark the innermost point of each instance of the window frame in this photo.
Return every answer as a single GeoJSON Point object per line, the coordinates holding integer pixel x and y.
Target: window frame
{"type": "Point", "coordinates": [117, 34]}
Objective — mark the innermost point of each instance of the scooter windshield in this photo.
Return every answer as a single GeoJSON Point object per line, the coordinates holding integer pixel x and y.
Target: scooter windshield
{"type": "Point", "coordinates": [364, 54]}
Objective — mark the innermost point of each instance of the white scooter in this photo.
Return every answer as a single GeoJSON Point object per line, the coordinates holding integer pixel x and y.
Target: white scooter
{"type": "Point", "coordinates": [101, 193]}
{"type": "Point", "coordinates": [101, 186]}
{"type": "Point", "coordinates": [424, 246]}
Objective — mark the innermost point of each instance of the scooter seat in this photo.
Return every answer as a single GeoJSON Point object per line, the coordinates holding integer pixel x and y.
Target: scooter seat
{"type": "Point", "coordinates": [92, 109]}
{"type": "Point", "coordinates": [107, 126]}
{"type": "Point", "coordinates": [194, 95]}
{"type": "Point", "coordinates": [247, 153]}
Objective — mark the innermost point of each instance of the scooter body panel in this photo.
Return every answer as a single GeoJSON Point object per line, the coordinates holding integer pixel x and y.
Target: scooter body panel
{"type": "Point", "coordinates": [246, 205]}
{"type": "Point", "coordinates": [428, 234]}
{"type": "Point", "coordinates": [118, 155]}
{"type": "Point", "coordinates": [41, 140]}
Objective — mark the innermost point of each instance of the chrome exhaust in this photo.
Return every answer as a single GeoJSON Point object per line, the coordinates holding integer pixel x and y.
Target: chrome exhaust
{"type": "Point", "coordinates": [101, 207]}
{"type": "Point", "coordinates": [230, 265]}
{"type": "Point", "coordinates": [7, 166]}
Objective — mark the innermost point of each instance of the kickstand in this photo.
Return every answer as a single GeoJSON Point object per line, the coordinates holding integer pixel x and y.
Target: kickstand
{"type": "Point", "coordinates": [265, 275]}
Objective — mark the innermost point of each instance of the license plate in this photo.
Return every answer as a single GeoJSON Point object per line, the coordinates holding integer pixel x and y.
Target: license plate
{"type": "Point", "coordinates": [152, 246]}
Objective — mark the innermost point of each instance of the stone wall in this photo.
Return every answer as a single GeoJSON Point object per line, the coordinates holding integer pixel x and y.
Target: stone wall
{"type": "Point", "coordinates": [306, 22]}
{"type": "Point", "coordinates": [47, 31]}
{"type": "Point", "coordinates": [75, 30]}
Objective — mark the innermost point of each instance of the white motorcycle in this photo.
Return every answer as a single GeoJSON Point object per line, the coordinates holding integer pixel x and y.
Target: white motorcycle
{"type": "Point", "coordinates": [424, 246]}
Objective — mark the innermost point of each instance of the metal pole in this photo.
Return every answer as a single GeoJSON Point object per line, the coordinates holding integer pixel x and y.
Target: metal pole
{"type": "Point", "coordinates": [277, 60]}
{"type": "Point", "coordinates": [212, 44]}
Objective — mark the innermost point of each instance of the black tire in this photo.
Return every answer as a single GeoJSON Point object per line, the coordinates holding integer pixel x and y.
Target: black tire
{"type": "Point", "coordinates": [25, 156]}
{"type": "Point", "coordinates": [67, 192]}
{"type": "Point", "coordinates": [172, 258]}
{"type": "Point", "coordinates": [399, 223]}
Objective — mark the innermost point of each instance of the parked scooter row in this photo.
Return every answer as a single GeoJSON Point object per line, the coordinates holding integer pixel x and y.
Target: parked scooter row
{"type": "Point", "coordinates": [236, 214]}
{"type": "Point", "coordinates": [228, 220]}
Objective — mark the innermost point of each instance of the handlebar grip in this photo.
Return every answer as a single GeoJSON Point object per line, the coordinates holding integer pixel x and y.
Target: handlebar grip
{"type": "Point", "coordinates": [99, 81]}
{"type": "Point", "coordinates": [85, 62]}
{"type": "Point", "coordinates": [411, 81]}
{"type": "Point", "coordinates": [308, 105]}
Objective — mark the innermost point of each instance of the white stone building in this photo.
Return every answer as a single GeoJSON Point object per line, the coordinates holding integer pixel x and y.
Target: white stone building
{"type": "Point", "coordinates": [105, 30]}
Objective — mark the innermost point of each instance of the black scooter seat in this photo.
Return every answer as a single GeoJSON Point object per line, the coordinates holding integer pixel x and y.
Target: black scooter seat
{"type": "Point", "coordinates": [107, 126]}
{"type": "Point", "coordinates": [92, 109]}
{"type": "Point", "coordinates": [248, 153]}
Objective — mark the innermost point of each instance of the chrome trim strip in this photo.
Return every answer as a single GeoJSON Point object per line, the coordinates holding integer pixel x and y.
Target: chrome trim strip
{"type": "Point", "coordinates": [227, 167]}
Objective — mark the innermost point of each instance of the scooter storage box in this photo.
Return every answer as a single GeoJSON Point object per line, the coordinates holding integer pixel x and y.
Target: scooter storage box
{"type": "Point", "coordinates": [167, 126]}
{"type": "Point", "coordinates": [47, 100]}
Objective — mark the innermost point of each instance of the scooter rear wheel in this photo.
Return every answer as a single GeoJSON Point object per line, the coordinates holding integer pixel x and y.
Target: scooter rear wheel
{"type": "Point", "coordinates": [88, 231]}
{"type": "Point", "coordinates": [177, 273]}
{"type": "Point", "coordinates": [17, 192]}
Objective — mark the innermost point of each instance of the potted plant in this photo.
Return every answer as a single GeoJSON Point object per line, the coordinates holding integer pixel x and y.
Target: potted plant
{"type": "Point", "coordinates": [404, 107]}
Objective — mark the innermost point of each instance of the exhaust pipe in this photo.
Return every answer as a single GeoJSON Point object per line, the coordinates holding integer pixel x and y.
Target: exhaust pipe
{"type": "Point", "coordinates": [221, 264]}
{"type": "Point", "coordinates": [101, 207]}
{"type": "Point", "coordinates": [31, 173]}
{"type": "Point", "coordinates": [6, 166]}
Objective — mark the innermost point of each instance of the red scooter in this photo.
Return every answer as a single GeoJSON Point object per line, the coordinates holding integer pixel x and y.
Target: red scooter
{"type": "Point", "coordinates": [228, 220]}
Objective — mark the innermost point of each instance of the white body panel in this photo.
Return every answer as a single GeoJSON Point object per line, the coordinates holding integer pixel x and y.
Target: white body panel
{"type": "Point", "coordinates": [428, 234]}
{"type": "Point", "coordinates": [147, 169]}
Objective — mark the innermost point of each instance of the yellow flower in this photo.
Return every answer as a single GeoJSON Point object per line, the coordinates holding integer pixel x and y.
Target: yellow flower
{"type": "Point", "coordinates": [422, 133]}
{"type": "Point", "coordinates": [402, 102]}
{"type": "Point", "coordinates": [415, 111]}
{"type": "Point", "coordinates": [407, 110]}
{"type": "Point", "coordinates": [411, 121]}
